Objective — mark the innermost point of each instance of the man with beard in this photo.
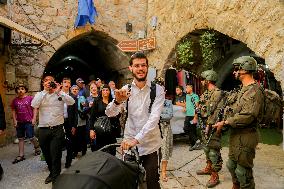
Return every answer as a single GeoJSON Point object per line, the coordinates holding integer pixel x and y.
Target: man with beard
{"type": "Point", "coordinates": [141, 127]}
{"type": "Point", "coordinates": [247, 112]}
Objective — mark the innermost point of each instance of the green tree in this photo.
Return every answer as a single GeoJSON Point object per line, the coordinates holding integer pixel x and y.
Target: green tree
{"type": "Point", "coordinates": [208, 42]}
{"type": "Point", "coordinates": [185, 53]}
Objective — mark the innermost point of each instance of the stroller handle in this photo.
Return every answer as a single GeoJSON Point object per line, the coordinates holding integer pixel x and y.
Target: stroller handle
{"type": "Point", "coordinates": [132, 149]}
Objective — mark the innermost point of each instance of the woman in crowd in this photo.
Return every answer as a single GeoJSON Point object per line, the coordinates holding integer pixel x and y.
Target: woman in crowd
{"type": "Point", "coordinates": [166, 131]}
{"type": "Point", "coordinates": [98, 110]}
{"type": "Point", "coordinates": [94, 95]}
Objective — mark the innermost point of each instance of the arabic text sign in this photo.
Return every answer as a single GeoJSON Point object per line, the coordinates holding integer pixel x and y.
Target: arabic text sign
{"type": "Point", "coordinates": [147, 44]}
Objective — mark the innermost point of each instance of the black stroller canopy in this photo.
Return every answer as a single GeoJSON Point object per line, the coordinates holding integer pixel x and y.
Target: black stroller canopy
{"type": "Point", "coordinates": [99, 170]}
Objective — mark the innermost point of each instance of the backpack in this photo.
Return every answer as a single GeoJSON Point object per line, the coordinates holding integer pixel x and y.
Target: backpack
{"type": "Point", "coordinates": [272, 109]}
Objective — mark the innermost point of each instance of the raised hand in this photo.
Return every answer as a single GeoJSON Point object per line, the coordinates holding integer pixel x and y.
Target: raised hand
{"type": "Point", "coordinates": [121, 95]}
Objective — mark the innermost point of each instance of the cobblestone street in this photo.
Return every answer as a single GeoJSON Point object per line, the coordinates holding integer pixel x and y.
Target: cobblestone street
{"type": "Point", "coordinates": [268, 170]}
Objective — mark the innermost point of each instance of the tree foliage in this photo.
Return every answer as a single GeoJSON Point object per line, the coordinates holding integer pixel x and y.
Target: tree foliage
{"type": "Point", "coordinates": [208, 42]}
{"type": "Point", "coordinates": [185, 53]}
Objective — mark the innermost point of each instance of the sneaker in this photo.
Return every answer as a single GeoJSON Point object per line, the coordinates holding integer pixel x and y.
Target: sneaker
{"type": "Point", "coordinates": [191, 148]}
{"type": "Point", "coordinates": [196, 146]}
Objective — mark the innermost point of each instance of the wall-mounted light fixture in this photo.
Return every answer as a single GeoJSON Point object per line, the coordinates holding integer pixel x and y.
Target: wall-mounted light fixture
{"type": "Point", "coordinates": [128, 27]}
{"type": "Point", "coordinates": [154, 21]}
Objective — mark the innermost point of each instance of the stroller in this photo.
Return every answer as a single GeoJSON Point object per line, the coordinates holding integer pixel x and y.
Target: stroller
{"type": "Point", "coordinates": [100, 170]}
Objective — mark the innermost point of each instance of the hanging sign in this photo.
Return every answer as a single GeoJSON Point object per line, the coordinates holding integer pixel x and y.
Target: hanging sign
{"type": "Point", "coordinates": [146, 44]}
{"type": "Point", "coordinates": [137, 45]}
{"type": "Point", "coordinates": [128, 45]}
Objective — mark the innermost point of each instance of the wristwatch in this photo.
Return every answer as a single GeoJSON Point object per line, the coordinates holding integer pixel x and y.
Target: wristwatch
{"type": "Point", "coordinates": [116, 103]}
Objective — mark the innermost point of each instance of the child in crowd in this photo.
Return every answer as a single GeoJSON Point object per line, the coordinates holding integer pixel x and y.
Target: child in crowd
{"type": "Point", "coordinates": [24, 120]}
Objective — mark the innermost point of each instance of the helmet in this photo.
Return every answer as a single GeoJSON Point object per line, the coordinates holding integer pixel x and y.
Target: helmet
{"type": "Point", "coordinates": [247, 63]}
{"type": "Point", "coordinates": [209, 75]}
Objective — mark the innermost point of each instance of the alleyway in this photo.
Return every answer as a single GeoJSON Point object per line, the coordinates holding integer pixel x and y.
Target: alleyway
{"type": "Point", "coordinates": [268, 171]}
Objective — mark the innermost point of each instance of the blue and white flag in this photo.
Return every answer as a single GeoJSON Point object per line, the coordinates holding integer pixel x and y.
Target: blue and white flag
{"type": "Point", "coordinates": [86, 13]}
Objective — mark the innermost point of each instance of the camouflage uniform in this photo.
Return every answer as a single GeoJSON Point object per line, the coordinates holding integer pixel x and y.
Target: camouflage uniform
{"type": "Point", "coordinates": [244, 136]}
{"type": "Point", "coordinates": [212, 149]}
{"type": "Point", "coordinates": [210, 101]}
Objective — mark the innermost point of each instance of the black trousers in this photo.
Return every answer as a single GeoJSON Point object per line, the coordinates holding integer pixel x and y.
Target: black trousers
{"type": "Point", "coordinates": [150, 163]}
{"type": "Point", "coordinates": [81, 142]}
{"type": "Point", "coordinates": [69, 143]}
{"type": "Point", "coordinates": [190, 129]}
{"type": "Point", "coordinates": [51, 141]}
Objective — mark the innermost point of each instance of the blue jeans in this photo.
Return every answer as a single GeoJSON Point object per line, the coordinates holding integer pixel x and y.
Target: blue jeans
{"type": "Point", "coordinates": [25, 129]}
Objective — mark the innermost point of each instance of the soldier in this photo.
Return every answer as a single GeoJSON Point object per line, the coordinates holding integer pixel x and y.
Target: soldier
{"type": "Point", "coordinates": [209, 103]}
{"type": "Point", "coordinates": [247, 111]}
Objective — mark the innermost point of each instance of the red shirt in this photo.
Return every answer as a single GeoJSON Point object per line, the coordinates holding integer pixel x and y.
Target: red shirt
{"type": "Point", "coordinates": [22, 106]}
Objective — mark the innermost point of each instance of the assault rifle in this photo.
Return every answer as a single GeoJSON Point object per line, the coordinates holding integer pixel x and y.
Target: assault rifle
{"type": "Point", "coordinates": [201, 123]}
{"type": "Point", "coordinates": [198, 112]}
{"type": "Point", "coordinates": [220, 116]}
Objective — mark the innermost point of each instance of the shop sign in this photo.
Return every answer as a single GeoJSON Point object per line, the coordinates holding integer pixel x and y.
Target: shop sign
{"type": "Point", "coordinates": [146, 44]}
{"type": "Point", "coordinates": [137, 45]}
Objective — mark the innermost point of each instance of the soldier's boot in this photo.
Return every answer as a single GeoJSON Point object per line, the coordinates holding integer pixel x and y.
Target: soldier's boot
{"type": "Point", "coordinates": [236, 186]}
{"type": "Point", "coordinates": [214, 180]}
{"type": "Point", "coordinates": [207, 170]}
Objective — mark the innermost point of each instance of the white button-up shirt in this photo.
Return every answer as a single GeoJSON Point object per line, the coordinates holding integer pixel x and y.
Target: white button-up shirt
{"type": "Point", "coordinates": [51, 110]}
{"type": "Point", "coordinates": [140, 124]}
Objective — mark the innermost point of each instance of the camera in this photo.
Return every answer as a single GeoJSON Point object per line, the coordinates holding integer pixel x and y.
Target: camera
{"type": "Point", "coordinates": [53, 85]}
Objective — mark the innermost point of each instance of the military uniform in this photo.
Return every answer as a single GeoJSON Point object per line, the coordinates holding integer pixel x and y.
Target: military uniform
{"type": "Point", "coordinates": [214, 98]}
{"type": "Point", "coordinates": [247, 110]}
{"type": "Point", "coordinates": [244, 136]}
{"type": "Point", "coordinates": [210, 106]}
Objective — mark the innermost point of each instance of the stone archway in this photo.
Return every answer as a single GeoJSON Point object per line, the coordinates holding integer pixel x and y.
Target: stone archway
{"type": "Point", "coordinates": [88, 53]}
{"type": "Point", "coordinates": [92, 53]}
{"type": "Point", "coordinates": [255, 23]}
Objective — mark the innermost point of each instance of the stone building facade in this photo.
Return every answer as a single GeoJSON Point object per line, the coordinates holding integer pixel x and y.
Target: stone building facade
{"type": "Point", "coordinates": [258, 24]}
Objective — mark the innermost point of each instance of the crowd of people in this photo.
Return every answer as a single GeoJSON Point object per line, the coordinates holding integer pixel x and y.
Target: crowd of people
{"type": "Point", "coordinates": [68, 116]}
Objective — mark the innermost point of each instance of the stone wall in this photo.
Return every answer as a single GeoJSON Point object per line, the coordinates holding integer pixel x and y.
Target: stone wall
{"type": "Point", "coordinates": [259, 24]}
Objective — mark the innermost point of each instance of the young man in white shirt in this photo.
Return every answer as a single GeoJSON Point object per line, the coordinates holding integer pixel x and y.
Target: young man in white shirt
{"type": "Point", "coordinates": [141, 127]}
{"type": "Point", "coordinates": [49, 103]}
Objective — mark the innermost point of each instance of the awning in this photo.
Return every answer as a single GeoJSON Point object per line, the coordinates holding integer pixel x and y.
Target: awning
{"type": "Point", "coordinates": [21, 29]}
